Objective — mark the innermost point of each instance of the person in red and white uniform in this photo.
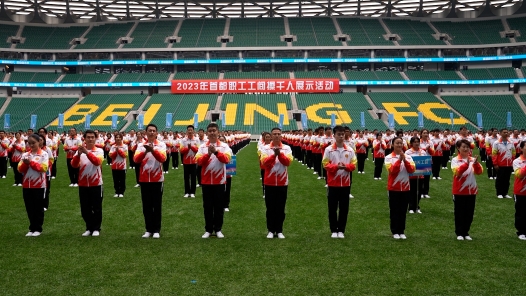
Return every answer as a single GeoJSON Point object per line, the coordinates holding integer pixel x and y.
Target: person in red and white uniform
{"type": "Point", "coordinates": [361, 151]}
{"type": "Point", "coordinates": [18, 147]}
{"type": "Point", "coordinates": [188, 147]}
{"type": "Point", "coordinates": [108, 143]}
{"type": "Point", "coordinates": [88, 160]}
{"type": "Point", "coordinates": [465, 188]}
{"type": "Point", "coordinates": [490, 139]}
{"type": "Point", "coordinates": [516, 140]}
{"type": "Point", "coordinates": [519, 190]}
{"type": "Point", "coordinates": [415, 182]}
{"type": "Point", "coordinates": [446, 151]}
{"type": "Point", "coordinates": [150, 155]}
{"type": "Point", "coordinates": [317, 143]}
{"type": "Point", "coordinates": [118, 154]}
{"type": "Point", "coordinates": [276, 157]}
{"type": "Point", "coordinates": [45, 141]}
{"type": "Point", "coordinates": [175, 151]}
{"type": "Point", "coordinates": [71, 145]}
{"type": "Point", "coordinates": [169, 144]}
{"type": "Point", "coordinates": [503, 154]}
{"type": "Point", "coordinates": [427, 145]}
{"type": "Point", "coordinates": [212, 157]}
{"type": "Point", "coordinates": [4, 149]}
{"type": "Point", "coordinates": [266, 138]}
{"type": "Point", "coordinates": [399, 166]}
{"type": "Point", "coordinates": [33, 166]}
{"type": "Point", "coordinates": [379, 148]}
{"type": "Point", "coordinates": [339, 161]}
{"type": "Point", "coordinates": [438, 148]}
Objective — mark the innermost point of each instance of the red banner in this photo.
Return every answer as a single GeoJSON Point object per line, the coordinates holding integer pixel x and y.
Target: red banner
{"type": "Point", "coordinates": [255, 86]}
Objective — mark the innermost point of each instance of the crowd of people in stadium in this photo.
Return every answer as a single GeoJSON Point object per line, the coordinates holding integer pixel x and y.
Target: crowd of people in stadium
{"type": "Point", "coordinates": [332, 153]}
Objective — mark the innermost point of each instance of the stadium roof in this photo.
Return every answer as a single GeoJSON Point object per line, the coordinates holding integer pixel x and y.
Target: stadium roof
{"type": "Point", "coordinates": [101, 10]}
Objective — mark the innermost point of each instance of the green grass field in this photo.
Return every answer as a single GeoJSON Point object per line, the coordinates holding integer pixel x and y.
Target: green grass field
{"type": "Point", "coordinates": [308, 262]}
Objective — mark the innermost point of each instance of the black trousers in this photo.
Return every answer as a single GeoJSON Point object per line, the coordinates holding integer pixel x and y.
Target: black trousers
{"type": "Point", "coordinates": [33, 200]}
{"type": "Point", "coordinates": [198, 175]}
{"type": "Point", "coordinates": [18, 175]}
{"type": "Point", "coordinates": [492, 172]}
{"type": "Point", "coordinates": [166, 163]}
{"type": "Point", "coordinates": [425, 184]}
{"type": "Point", "coordinates": [175, 159]}
{"type": "Point", "coordinates": [316, 158]}
{"type": "Point", "coordinates": [91, 206]}
{"type": "Point", "coordinates": [398, 201]}
{"type": "Point", "coordinates": [275, 201]}
{"type": "Point", "coordinates": [137, 172]}
{"type": "Point", "coordinates": [308, 158]}
{"type": "Point", "coordinates": [3, 166]}
{"type": "Point", "coordinates": [361, 161]}
{"type": "Point", "coordinates": [107, 156]}
{"type": "Point", "coordinates": [502, 185]}
{"type": "Point", "coordinates": [338, 198]}
{"type": "Point", "coordinates": [262, 172]}
{"type": "Point", "coordinates": [445, 157]}
{"type": "Point", "coordinates": [48, 191]}
{"type": "Point", "coordinates": [130, 159]}
{"type": "Point", "coordinates": [435, 167]}
{"type": "Point", "coordinates": [73, 173]}
{"type": "Point", "coordinates": [152, 202]}
{"type": "Point", "coordinates": [378, 165]}
{"type": "Point", "coordinates": [464, 210]}
{"type": "Point", "coordinates": [213, 206]}
{"type": "Point", "coordinates": [520, 214]}
{"type": "Point", "coordinates": [483, 156]}
{"type": "Point", "coordinates": [416, 186]}
{"type": "Point", "coordinates": [228, 187]}
{"type": "Point", "coordinates": [54, 168]}
{"type": "Point", "coordinates": [190, 171]}
{"type": "Point", "coordinates": [119, 181]}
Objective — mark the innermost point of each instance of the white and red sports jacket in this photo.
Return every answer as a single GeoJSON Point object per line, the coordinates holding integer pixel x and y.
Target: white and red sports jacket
{"type": "Point", "coordinates": [398, 179]}
{"type": "Point", "coordinates": [379, 148]}
{"type": "Point", "coordinates": [17, 148]}
{"type": "Point", "coordinates": [35, 172]}
{"type": "Point", "coordinates": [276, 173]}
{"type": "Point", "coordinates": [90, 174]}
{"type": "Point", "coordinates": [464, 171]}
{"type": "Point", "coordinates": [519, 167]}
{"type": "Point", "coordinates": [71, 145]}
{"type": "Point", "coordinates": [334, 156]}
{"type": "Point", "coordinates": [151, 163]}
{"type": "Point", "coordinates": [4, 146]}
{"type": "Point", "coordinates": [118, 156]}
{"type": "Point", "coordinates": [213, 171]}
{"type": "Point", "coordinates": [503, 154]}
{"type": "Point", "coordinates": [189, 153]}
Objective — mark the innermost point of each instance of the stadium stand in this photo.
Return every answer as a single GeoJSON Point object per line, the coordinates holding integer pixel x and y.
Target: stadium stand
{"type": "Point", "coordinates": [152, 34]}
{"type": "Point", "coordinates": [105, 36]}
{"type": "Point", "coordinates": [88, 78]}
{"type": "Point", "coordinates": [316, 31]}
{"type": "Point", "coordinates": [494, 109]}
{"type": "Point", "coordinates": [142, 77]}
{"type": "Point", "coordinates": [373, 75]}
{"type": "Point", "coordinates": [200, 33]}
{"type": "Point", "coordinates": [412, 32]}
{"type": "Point", "coordinates": [473, 32]}
{"type": "Point", "coordinates": [46, 109]}
{"type": "Point", "coordinates": [41, 77]}
{"type": "Point", "coordinates": [7, 31]}
{"type": "Point", "coordinates": [318, 74]}
{"type": "Point", "coordinates": [50, 37]}
{"type": "Point", "coordinates": [363, 31]}
{"type": "Point", "coordinates": [256, 32]}
{"type": "Point", "coordinates": [519, 24]}
{"type": "Point", "coordinates": [432, 75]}
{"type": "Point", "coordinates": [487, 73]}
{"type": "Point", "coordinates": [196, 75]}
{"type": "Point", "coordinates": [256, 75]}
{"type": "Point", "coordinates": [189, 106]}
{"type": "Point", "coordinates": [233, 105]}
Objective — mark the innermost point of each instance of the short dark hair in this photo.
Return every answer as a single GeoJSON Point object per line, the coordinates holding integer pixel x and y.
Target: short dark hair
{"type": "Point", "coordinates": [327, 128]}
{"type": "Point", "coordinates": [276, 128]}
{"type": "Point", "coordinates": [504, 129]}
{"type": "Point", "coordinates": [89, 132]}
{"type": "Point", "coordinates": [210, 125]}
{"type": "Point", "coordinates": [151, 125]}
{"type": "Point", "coordinates": [414, 139]}
{"type": "Point", "coordinates": [522, 144]}
{"type": "Point", "coordinates": [463, 141]}
{"type": "Point", "coordinates": [396, 138]}
{"type": "Point", "coordinates": [190, 126]}
{"type": "Point", "coordinates": [44, 129]}
{"type": "Point", "coordinates": [338, 128]}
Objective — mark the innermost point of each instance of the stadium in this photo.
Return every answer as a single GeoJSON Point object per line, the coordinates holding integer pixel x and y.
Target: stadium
{"type": "Point", "coordinates": [396, 64]}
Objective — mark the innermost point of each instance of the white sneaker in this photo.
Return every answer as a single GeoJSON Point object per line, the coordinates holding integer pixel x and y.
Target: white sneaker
{"type": "Point", "coordinates": [351, 196]}
{"type": "Point", "coordinates": [418, 211]}
{"type": "Point", "coordinates": [45, 209]}
{"type": "Point", "coordinates": [146, 235]}
{"type": "Point", "coordinates": [219, 234]}
{"type": "Point", "coordinates": [192, 195]}
{"type": "Point", "coordinates": [75, 185]}
{"type": "Point", "coordinates": [261, 178]}
{"type": "Point", "coordinates": [427, 196]}
{"type": "Point", "coordinates": [270, 235]}
{"type": "Point", "coordinates": [130, 168]}
{"type": "Point", "coordinates": [14, 185]}
{"type": "Point", "coordinates": [197, 185]}
{"type": "Point", "coordinates": [434, 178]}
{"type": "Point", "coordinates": [36, 233]}
{"type": "Point", "coordinates": [166, 172]}
{"type": "Point", "coordinates": [379, 178]}
{"type": "Point", "coordinates": [263, 196]}
{"type": "Point", "coordinates": [363, 172]}
{"type": "Point", "coordinates": [31, 234]}
{"type": "Point", "coordinates": [468, 238]}
{"type": "Point", "coordinates": [411, 212]}
{"type": "Point", "coordinates": [156, 235]}
{"type": "Point", "coordinates": [173, 168]}
{"type": "Point", "coordinates": [186, 195]}
{"type": "Point", "coordinates": [522, 237]}
{"type": "Point", "coordinates": [137, 185]}
{"type": "Point", "coordinates": [326, 185]}
{"type": "Point", "coordinates": [116, 195]}
{"type": "Point", "coordinates": [280, 235]}
{"type": "Point", "coordinates": [121, 195]}
{"type": "Point", "coordinates": [71, 185]}
{"type": "Point", "coordinates": [507, 196]}
{"type": "Point", "coordinates": [314, 173]}
{"type": "Point", "coordinates": [227, 210]}
{"type": "Point", "coordinates": [376, 178]}
{"type": "Point", "coordinates": [177, 168]}
{"type": "Point", "coordinates": [396, 236]}
{"type": "Point", "coordinates": [341, 235]}
{"type": "Point", "coordinates": [402, 236]}
{"type": "Point", "coordinates": [95, 233]}
{"type": "Point", "coordinates": [334, 235]}
{"type": "Point", "coordinates": [421, 196]}
{"type": "Point", "coordinates": [3, 177]}
{"type": "Point", "coordinates": [500, 196]}
{"type": "Point", "coordinates": [491, 178]}
{"type": "Point", "coordinates": [460, 237]}
{"type": "Point", "coordinates": [19, 185]}
{"type": "Point", "coordinates": [319, 178]}
{"type": "Point", "coordinates": [86, 233]}
{"type": "Point", "coordinates": [439, 178]}
{"type": "Point", "coordinates": [206, 235]}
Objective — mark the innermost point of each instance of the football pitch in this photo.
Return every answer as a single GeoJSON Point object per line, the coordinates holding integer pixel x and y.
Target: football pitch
{"type": "Point", "coordinates": [308, 262]}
